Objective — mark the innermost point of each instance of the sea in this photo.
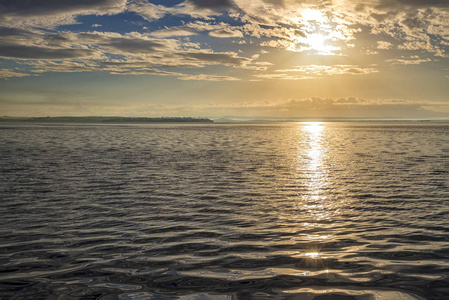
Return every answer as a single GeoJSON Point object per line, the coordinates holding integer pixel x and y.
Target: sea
{"type": "Point", "coordinates": [306, 210]}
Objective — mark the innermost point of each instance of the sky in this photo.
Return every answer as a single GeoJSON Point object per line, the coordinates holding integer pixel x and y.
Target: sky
{"type": "Point", "coordinates": [277, 59]}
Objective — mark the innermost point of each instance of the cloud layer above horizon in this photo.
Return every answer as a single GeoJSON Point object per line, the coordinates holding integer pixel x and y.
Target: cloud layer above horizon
{"type": "Point", "coordinates": [335, 50]}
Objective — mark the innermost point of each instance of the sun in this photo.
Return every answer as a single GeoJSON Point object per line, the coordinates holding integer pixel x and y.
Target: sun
{"type": "Point", "coordinates": [318, 33]}
{"type": "Point", "coordinates": [313, 15]}
{"type": "Point", "coordinates": [317, 41]}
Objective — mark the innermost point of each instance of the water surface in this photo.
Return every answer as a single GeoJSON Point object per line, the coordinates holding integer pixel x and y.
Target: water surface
{"type": "Point", "coordinates": [225, 211]}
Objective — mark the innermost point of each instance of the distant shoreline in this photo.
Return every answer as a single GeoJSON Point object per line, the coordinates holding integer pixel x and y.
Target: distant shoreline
{"type": "Point", "coordinates": [192, 120]}
{"type": "Point", "coordinates": [102, 120]}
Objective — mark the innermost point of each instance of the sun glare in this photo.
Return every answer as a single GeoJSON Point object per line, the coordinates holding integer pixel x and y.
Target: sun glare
{"type": "Point", "coordinates": [313, 128]}
{"type": "Point", "coordinates": [314, 255]}
{"type": "Point", "coordinates": [317, 42]}
{"type": "Point", "coordinates": [313, 15]}
{"type": "Point", "coordinates": [318, 33]}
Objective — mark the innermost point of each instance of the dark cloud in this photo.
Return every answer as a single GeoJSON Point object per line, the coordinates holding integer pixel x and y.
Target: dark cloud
{"type": "Point", "coordinates": [275, 2]}
{"type": "Point", "coordinates": [134, 45]}
{"type": "Point", "coordinates": [395, 5]}
{"type": "Point", "coordinates": [424, 3]}
{"type": "Point", "coordinates": [212, 4]}
{"type": "Point", "coordinates": [21, 44]}
{"type": "Point", "coordinates": [55, 40]}
{"type": "Point", "coordinates": [33, 52]}
{"type": "Point", "coordinates": [51, 7]}
{"type": "Point", "coordinates": [8, 32]}
{"type": "Point", "coordinates": [414, 23]}
{"type": "Point", "coordinates": [382, 17]}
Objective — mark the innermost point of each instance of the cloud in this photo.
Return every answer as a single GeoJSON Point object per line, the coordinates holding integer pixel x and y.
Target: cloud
{"type": "Point", "coordinates": [333, 70]}
{"type": "Point", "coordinates": [283, 76]}
{"type": "Point", "coordinates": [412, 60]}
{"type": "Point", "coordinates": [420, 3]}
{"type": "Point", "coordinates": [351, 108]}
{"type": "Point", "coordinates": [68, 45]}
{"type": "Point", "coordinates": [51, 7]}
{"type": "Point", "coordinates": [147, 10]}
{"type": "Point", "coordinates": [131, 53]}
{"type": "Point", "coordinates": [38, 103]}
{"type": "Point", "coordinates": [140, 71]}
{"type": "Point", "coordinates": [225, 33]}
{"type": "Point", "coordinates": [69, 66]}
{"type": "Point", "coordinates": [8, 73]}
{"type": "Point", "coordinates": [323, 27]}
{"type": "Point", "coordinates": [258, 65]}
{"type": "Point", "coordinates": [414, 25]}
{"type": "Point", "coordinates": [383, 45]}
{"type": "Point", "coordinates": [150, 11]}
{"type": "Point", "coordinates": [209, 78]}
{"type": "Point", "coordinates": [280, 23]}
{"type": "Point", "coordinates": [212, 4]}
{"type": "Point", "coordinates": [31, 52]}
{"type": "Point", "coordinates": [316, 107]}
{"type": "Point", "coordinates": [131, 45]}
{"type": "Point", "coordinates": [50, 13]}
{"type": "Point", "coordinates": [219, 30]}
{"type": "Point", "coordinates": [313, 71]}
{"type": "Point", "coordinates": [349, 100]}
{"type": "Point", "coordinates": [223, 58]}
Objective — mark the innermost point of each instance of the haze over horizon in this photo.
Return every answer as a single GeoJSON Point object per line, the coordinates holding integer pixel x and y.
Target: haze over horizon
{"type": "Point", "coordinates": [270, 58]}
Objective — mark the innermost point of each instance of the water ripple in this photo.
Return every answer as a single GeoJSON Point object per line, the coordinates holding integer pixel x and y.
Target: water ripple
{"type": "Point", "coordinates": [254, 211]}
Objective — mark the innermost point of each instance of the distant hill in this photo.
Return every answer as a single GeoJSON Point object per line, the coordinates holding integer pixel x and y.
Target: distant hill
{"type": "Point", "coordinates": [106, 120]}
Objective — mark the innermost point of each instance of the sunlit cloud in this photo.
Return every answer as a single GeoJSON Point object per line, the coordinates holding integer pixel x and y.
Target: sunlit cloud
{"type": "Point", "coordinates": [413, 60]}
{"type": "Point", "coordinates": [301, 26]}
{"type": "Point", "coordinates": [8, 73]}
{"type": "Point", "coordinates": [413, 24]}
{"type": "Point", "coordinates": [311, 71]}
{"type": "Point", "coordinates": [331, 70]}
{"type": "Point", "coordinates": [152, 11]}
{"type": "Point", "coordinates": [294, 48]}
{"type": "Point", "coordinates": [208, 78]}
{"type": "Point", "coordinates": [320, 32]}
{"type": "Point", "coordinates": [224, 33]}
{"type": "Point", "coordinates": [384, 45]}
{"type": "Point", "coordinates": [283, 76]}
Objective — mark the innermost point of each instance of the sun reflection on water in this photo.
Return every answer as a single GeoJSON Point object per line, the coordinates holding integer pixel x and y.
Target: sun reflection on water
{"type": "Point", "coordinates": [314, 200]}
{"type": "Point", "coordinates": [314, 132]}
{"type": "Point", "coordinates": [314, 164]}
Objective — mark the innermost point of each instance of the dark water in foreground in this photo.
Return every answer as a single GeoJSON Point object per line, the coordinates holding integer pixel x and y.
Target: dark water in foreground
{"type": "Point", "coordinates": [272, 211]}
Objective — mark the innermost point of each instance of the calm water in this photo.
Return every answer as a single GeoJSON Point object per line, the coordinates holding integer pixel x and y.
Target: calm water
{"type": "Point", "coordinates": [268, 211]}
